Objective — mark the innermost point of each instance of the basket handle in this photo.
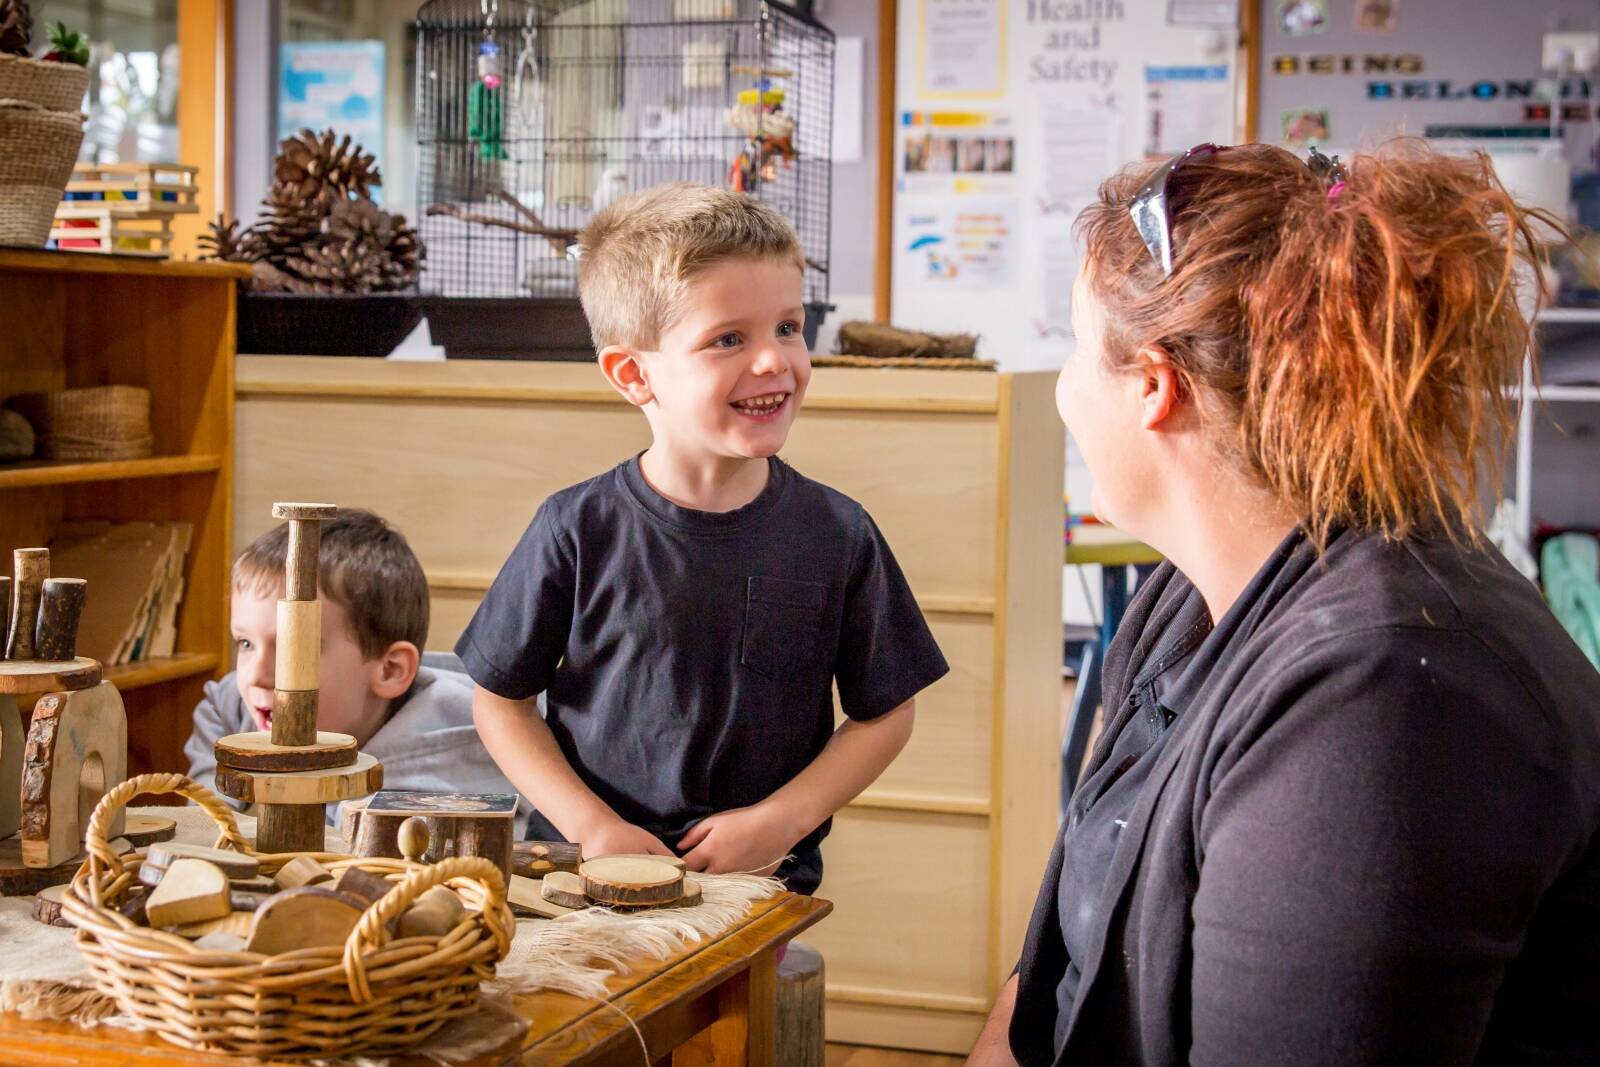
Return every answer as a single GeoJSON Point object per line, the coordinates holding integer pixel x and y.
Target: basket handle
{"type": "Point", "coordinates": [101, 857]}
{"type": "Point", "coordinates": [369, 931]}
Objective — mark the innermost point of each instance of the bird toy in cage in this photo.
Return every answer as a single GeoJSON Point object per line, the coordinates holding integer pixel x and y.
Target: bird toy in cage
{"type": "Point", "coordinates": [768, 130]}
{"type": "Point", "coordinates": [486, 113]}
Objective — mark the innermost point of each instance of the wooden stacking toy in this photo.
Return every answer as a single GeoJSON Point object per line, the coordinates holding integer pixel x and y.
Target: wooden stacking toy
{"type": "Point", "coordinates": [294, 769]}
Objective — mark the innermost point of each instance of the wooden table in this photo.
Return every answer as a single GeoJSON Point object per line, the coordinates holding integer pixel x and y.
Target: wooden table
{"type": "Point", "coordinates": [714, 1004]}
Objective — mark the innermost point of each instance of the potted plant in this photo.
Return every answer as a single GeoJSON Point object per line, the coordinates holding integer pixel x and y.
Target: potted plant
{"type": "Point", "coordinates": [40, 124]}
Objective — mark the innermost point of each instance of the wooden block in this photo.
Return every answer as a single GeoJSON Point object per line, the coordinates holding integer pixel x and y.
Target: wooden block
{"type": "Point", "coordinates": [308, 917]}
{"type": "Point", "coordinates": [534, 859]}
{"type": "Point", "coordinates": [435, 914]}
{"type": "Point", "coordinates": [60, 607]}
{"type": "Point", "coordinates": [190, 891]}
{"type": "Point", "coordinates": [350, 813]}
{"type": "Point", "coordinates": [12, 740]}
{"type": "Point", "coordinates": [77, 749]}
{"type": "Point", "coordinates": [631, 880]}
{"type": "Point", "coordinates": [18, 677]}
{"type": "Point", "coordinates": [221, 941]}
{"type": "Point", "coordinates": [163, 854]}
{"type": "Point", "coordinates": [245, 900]}
{"type": "Point", "coordinates": [236, 923]}
{"type": "Point", "coordinates": [322, 786]}
{"type": "Point", "coordinates": [692, 896]}
{"type": "Point", "coordinates": [256, 751]}
{"type": "Point", "coordinates": [362, 885]}
{"type": "Point", "coordinates": [301, 871]}
{"type": "Point", "coordinates": [290, 828]}
{"type": "Point", "coordinates": [294, 717]}
{"type": "Point", "coordinates": [301, 565]}
{"type": "Point", "coordinates": [295, 510]}
{"type": "Point", "coordinates": [47, 906]}
{"type": "Point", "coordinates": [31, 566]}
{"type": "Point", "coordinates": [526, 897]}
{"type": "Point", "coordinates": [143, 830]}
{"type": "Point", "coordinates": [258, 884]}
{"type": "Point", "coordinates": [459, 824]}
{"type": "Point", "coordinates": [132, 907]}
{"type": "Point", "coordinates": [799, 1032]}
{"type": "Point", "coordinates": [565, 889]}
{"type": "Point", "coordinates": [299, 659]}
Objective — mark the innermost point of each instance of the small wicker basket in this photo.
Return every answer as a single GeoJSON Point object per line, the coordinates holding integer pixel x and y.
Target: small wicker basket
{"type": "Point", "coordinates": [100, 422]}
{"type": "Point", "coordinates": [37, 149]}
{"type": "Point", "coordinates": [53, 86]}
{"type": "Point", "coordinates": [370, 995]}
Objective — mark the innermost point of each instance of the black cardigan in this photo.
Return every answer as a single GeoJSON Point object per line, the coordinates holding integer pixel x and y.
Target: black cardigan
{"type": "Point", "coordinates": [1372, 838]}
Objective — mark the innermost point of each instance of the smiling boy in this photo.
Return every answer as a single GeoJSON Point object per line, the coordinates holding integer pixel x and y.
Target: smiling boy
{"type": "Point", "coordinates": [688, 613]}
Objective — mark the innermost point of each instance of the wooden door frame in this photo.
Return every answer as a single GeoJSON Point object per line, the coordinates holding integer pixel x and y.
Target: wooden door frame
{"type": "Point", "coordinates": [205, 112]}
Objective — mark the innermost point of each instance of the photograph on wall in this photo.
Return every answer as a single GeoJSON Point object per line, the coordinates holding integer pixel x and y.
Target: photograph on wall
{"type": "Point", "coordinates": [1302, 18]}
{"type": "Point", "coordinates": [1305, 126]}
{"type": "Point", "coordinates": [939, 147]}
{"type": "Point", "coordinates": [1375, 16]}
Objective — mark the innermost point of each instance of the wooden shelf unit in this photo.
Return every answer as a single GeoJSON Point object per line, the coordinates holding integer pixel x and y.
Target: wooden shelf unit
{"type": "Point", "coordinates": [78, 320]}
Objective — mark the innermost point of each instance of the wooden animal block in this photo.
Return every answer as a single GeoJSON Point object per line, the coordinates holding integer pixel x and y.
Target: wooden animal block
{"type": "Point", "coordinates": [301, 871]}
{"type": "Point", "coordinates": [322, 786]}
{"type": "Point", "coordinates": [526, 897]}
{"type": "Point", "coordinates": [435, 914]}
{"type": "Point", "coordinates": [564, 889]}
{"type": "Point", "coordinates": [308, 917]}
{"type": "Point", "coordinates": [363, 886]}
{"type": "Point", "coordinates": [631, 880]}
{"type": "Point", "coordinates": [190, 891]}
{"type": "Point", "coordinates": [77, 749]}
{"type": "Point", "coordinates": [12, 740]}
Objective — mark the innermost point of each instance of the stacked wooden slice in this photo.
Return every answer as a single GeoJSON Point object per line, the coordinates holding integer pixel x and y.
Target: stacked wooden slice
{"type": "Point", "coordinates": [625, 883]}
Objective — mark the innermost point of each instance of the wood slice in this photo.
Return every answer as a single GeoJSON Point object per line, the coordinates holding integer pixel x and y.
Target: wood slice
{"type": "Point", "coordinates": [60, 606]}
{"type": "Point", "coordinates": [323, 786]}
{"type": "Point", "coordinates": [692, 896]}
{"type": "Point", "coordinates": [676, 861]}
{"type": "Point", "coordinates": [141, 830]}
{"type": "Point", "coordinates": [301, 510]}
{"type": "Point", "coordinates": [294, 717]}
{"type": "Point", "coordinates": [309, 917]}
{"type": "Point", "coordinates": [301, 871]}
{"type": "Point", "coordinates": [235, 923]}
{"type": "Point", "coordinates": [299, 661]}
{"type": "Point", "coordinates": [243, 900]}
{"type": "Point", "coordinates": [191, 891]}
{"type": "Point", "coordinates": [630, 880]}
{"type": "Point", "coordinates": [255, 751]}
{"type": "Point", "coordinates": [290, 828]}
{"type": "Point", "coordinates": [47, 906]}
{"type": "Point", "coordinates": [534, 859]}
{"type": "Point", "coordinates": [20, 677]}
{"type": "Point", "coordinates": [435, 914]}
{"type": "Point", "coordinates": [363, 885]}
{"type": "Point", "coordinates": [17, 879]}
{"type": "Point", "coordinates": [233, 864]}
{"type": "Point", "coordinates": [564, 888]}
{"type": "Point", "coordinates": [526, 898]}
{"type": "Point", "coordinates": [77, 749]}
{"type": "Point", "coordinates": [221, 941]}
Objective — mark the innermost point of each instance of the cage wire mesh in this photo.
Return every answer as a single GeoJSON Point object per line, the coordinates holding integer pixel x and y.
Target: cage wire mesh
{"type": "Point", "coordinates": [534, 114]}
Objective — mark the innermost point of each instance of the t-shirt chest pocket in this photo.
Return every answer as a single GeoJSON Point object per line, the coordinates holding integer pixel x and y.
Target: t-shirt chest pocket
{"type": "Point", "coordinates": [782, 624]}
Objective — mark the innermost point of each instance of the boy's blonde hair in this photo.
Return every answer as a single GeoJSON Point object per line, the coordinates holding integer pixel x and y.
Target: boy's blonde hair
{"type": "Point", "coordinates": [365, 566]}
{"type": "Point", "coordinates": [639, 255]}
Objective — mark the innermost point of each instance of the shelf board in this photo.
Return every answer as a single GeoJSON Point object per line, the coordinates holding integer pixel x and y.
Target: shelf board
{"type": "Point", "coordinates": [164, 669]}
{"type": "Point", "coordinates": [27, 475]}
{"type": "Point", "coordinates": [42, 261]}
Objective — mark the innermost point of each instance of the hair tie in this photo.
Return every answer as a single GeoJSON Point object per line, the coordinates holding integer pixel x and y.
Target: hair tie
{"type": "Point", "coordinates": [1335, 189]}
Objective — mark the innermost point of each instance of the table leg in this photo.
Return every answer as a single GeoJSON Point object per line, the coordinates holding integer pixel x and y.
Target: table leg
{"type": "Point", "coordinates": [747, 1021]}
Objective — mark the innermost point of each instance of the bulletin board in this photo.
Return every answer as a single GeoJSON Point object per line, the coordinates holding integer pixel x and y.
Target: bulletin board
{"type": "Point", "coordinates": [1007, 114]}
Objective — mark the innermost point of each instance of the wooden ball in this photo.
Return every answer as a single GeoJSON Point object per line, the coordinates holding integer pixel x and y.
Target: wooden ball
{"type": "Point", "coordinates": [413, 838]}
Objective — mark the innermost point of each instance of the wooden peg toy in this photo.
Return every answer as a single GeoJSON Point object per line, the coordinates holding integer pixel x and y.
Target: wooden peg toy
{"type": "Point", "coordinates": [413, 838]}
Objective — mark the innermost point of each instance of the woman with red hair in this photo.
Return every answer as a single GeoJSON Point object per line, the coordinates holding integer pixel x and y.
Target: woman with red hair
{"type": "Point", "coordinates": [1346, 805]}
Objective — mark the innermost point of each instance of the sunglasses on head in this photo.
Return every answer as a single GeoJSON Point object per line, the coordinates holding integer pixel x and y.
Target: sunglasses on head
{"type": "Point", "coordinates": [1152, 207]}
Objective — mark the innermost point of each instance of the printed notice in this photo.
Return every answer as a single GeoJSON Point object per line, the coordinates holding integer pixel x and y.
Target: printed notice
{"type": "Point", "coordinates": [957, 242]}
{"type": "Point", "coordinates": [962, 47]}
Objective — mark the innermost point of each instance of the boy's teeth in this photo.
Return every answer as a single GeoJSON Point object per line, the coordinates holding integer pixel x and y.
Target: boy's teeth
{"type": "Point", "coordinates": [762, 404]}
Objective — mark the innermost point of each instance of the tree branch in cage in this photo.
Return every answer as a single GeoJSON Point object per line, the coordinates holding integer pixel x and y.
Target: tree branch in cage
{"type": "Point", "coordinates": [559, 239]}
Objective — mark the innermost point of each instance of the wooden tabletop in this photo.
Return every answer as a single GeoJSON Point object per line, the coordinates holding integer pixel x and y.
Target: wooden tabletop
{"type": "Point", "coordinates": [668, 1000]}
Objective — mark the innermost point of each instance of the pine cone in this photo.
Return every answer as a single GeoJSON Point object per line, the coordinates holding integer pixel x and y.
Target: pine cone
{"type": "Point", "coordinates": [405, 255]}
{"type": "Point", "coordinates": [317, 169]}
{"type": "Point", "coordinates": [359, 219]}
{"type": "Point", "coordinates": [288, 224]}
{"type": "Point", "coordinates": [224, 240]}
{"type": "Point", "coordinates": [16, 27]}
{"type": "Point", "coordinates": [347, 266]}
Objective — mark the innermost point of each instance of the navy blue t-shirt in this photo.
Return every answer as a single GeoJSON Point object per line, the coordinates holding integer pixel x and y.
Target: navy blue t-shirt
{"type": "Point", "coordinates": [688, 658]}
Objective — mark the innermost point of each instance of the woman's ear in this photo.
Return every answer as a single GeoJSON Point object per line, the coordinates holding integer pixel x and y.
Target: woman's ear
{"type": "Point", "coordinates": [1161, 389]}
{"type": "Point", "coordinates": [625, 371]}
{"type": "Point", "coordinates": [395, 670]}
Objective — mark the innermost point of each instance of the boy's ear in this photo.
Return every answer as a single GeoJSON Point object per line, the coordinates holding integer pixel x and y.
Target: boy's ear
{"type": "Point", "coordinates": [395, 670]}
{"type": "Point", "coordinates": [625, 371]}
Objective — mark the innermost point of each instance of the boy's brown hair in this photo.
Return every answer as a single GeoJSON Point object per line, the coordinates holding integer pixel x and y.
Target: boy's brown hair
{"type": "Point", "coordinates": [638, 256]}
{"type": "Point", "coordinates": [365, 566]}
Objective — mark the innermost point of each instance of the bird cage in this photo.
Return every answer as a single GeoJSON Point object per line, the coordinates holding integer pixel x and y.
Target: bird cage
{"type": "Point", "coordinates": [532, 115]}
{"type": "Point", "coordinates": [535, 114]}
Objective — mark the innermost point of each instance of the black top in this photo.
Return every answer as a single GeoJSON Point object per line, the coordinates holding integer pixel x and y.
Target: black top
{"type": "Point", "coordinates": [688, 657]}
{"type": "Point", "coordinates": [1369, 835]}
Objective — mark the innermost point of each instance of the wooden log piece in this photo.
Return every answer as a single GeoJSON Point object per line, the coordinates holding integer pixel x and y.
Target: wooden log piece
{"type": "Point", "coordinates": [256, 751]}
{"type": "Point", "coordinates": [629, 880]}
{"type": "Point", "coordinates": [350, 813]}
{"type": "Point", "coordinates": [535, 859]}
{"type": "Point", "coordinates": [12, 740]}
{"type": "Point", "coordinates": [60, 608]}
{"type": "Point", "coordinates": [676, 861]}
{"type": "Point", "coordinates": [163, 854]}
{"type": "Point", "coordinates": [141, 830]}
{"type": "Point", "coordinates": [294, 717]}
{"type": "Point", "coordinates": [47, 906]}
{"type": "Point", "coordinates": [322, 786]}
{"type": "Point", "coordinates": [491, 837]}
{"type": "Point", "coordinates": [301, 871]}
{"type": "Point", "coordinates": [290, 828]}
{"type": "Point", "coordinates": [17, 879]}
{"type": "Point", "coordinates": [299, 652]}
{"type": "Point", "coordinates": [31, 566]}
{"type": "Point", "coordinates": [799, 1033]}
{"type": "Point", "coordinates": [526, 898]}
{"type": "Point", "coordinates": [22, 677]}
{"type": "Point", "coordinates": [565, 889]}
{"type": "Point", "coordinates": [435, 914]}
{"type": "Point", "coordinates": [362, 886]}
{"type": "Point", "coordinates": [309, 917]}
{"type": "Point", "coordinates": [77, 749]}
{"type": "Point", "coordinates": [190, 891]}
{"type": "Point", "coordinates": [300, 568]}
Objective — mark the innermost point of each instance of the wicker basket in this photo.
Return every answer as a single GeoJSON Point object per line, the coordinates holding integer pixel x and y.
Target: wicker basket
{"type": "Point", "coordinates": [370, 995]}
{"type": "Point", "coordinates": [37, 150]}
{"type": "Point", "coordinates": [99, 422]}
{"type": "Point", "coordinates": [53, 86]}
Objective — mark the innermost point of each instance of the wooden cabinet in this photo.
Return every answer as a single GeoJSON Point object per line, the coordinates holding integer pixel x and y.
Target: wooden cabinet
{"type": "Point", "coordinates": [933, 870]}
{"type": "Point", "coordinates": [75, 319]}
